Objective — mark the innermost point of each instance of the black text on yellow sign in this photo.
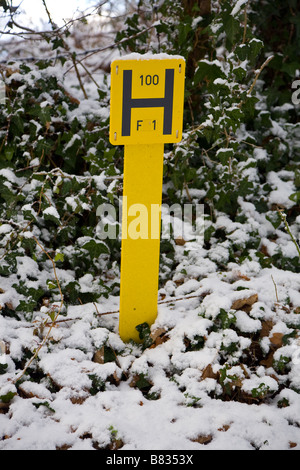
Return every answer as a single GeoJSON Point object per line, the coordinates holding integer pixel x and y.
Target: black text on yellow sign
{"type": "Point", "coordinates": [147, 101]}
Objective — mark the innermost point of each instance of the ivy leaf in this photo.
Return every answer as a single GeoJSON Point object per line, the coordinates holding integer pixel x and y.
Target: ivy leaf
{"type": "Point", "coordinates": [295, 197]}
{"type": "Point", "coordinates": [59, 257]}
{"type": "Point", "coordinates": [255, 46]}
{"type": "Point", "coordinates": [95, 248]}
{"type": "Point", "coordinates": [3, 368]}
{"type": "Point", "coordinates": [50, 213]}
{"type": "Point", "coordinates": [274, 218]}
{"type": "Point", "coordinates": [232, 28]}
{"type": "Point", "coordinates": [44, 403]}
{"type": "Point", "coordinates": [57, 42]}
{"type": "Point", "coordinates": [7, 397]}
{"type": "Point", "coordinates": [142, 382]}
{"type": "Point", "coordinates": [144, 334]}
{"type": "Point", "coordinates": [209, 70]}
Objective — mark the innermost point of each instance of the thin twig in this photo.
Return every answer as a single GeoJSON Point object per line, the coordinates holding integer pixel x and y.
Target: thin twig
{"type": "Point", "coordinates": [54, 319]}
{"type": "Point", "coordinates": [102, 314]}
{"type": "Point", "coordinates": [276, 293]}
{"type": "Point", "coordinates": [84, 54]}
{"type": "Point", "coordinates": [245, 22]}
{"type": "Point", "coordinates": [79, 77]}
{"type": "Point", "coordinates": [259, 72]}
{"type": "Point", "coordinates": [287, 227]}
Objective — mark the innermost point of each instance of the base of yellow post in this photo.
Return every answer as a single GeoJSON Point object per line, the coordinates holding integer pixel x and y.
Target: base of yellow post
{"type": "Point", "coordinates": [142, 196]}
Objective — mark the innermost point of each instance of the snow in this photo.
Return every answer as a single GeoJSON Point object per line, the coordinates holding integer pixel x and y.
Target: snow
{"type": "Point", "coordinates": [149, 56]}
{"type": "Point", "coordinates": [51, 211]}
{"type": "Point", "coordinates": [238, 7]}
{"type": "Point", "coordinates": [282, 189]}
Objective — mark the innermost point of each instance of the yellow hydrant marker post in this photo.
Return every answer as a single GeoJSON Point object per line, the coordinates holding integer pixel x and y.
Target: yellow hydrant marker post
{"type": "Point", "coordinates": [147, 95]}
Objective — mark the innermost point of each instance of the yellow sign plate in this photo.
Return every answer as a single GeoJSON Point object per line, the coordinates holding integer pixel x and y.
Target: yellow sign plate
{"type": "Point", "coordinates": [147, 97]}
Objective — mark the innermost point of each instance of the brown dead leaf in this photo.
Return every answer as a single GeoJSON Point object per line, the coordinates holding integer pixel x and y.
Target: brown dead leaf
{"type": "Point", "coordinates": [292, 444]}
{"type": "Point", "coordinates": [114, 379]}
{"type": "Point", "coordinates": [268, 362]}
{"type": "Point", "coordinates": [116, 444]}
{"type": "Point", "coordinates": [179, 282]}
{"type": "Point", "coordinates": [77, 400]}
{"type": "Point", "coordinates": [26, 394]}
{"type": "Point", "coordinates": [224, 428]}
{"type": "Point", "coordinates": [99, 356]}
{"type": "Point", "coordinates": [63, 447]}
{"type": "Point", "coordinates": [282, 307]}
{"type": "Point", "coordinates": [208, 373]}
{"type": "Point", "coordinates": [156, 333]}
{"type": "Point", "coordinates": [180, 241]}
{"type": "Point", "coordinates": [274, 377]}
{"type": "Point", "coordinates": [158, 337]}
{"type": "Point", "coordinates": [266, 327]}
{"type": "Point", "coordinates": [244, 304]}
{"type": "Point", "coordinates": [203, 439]}
{"type": "Point", "coordinates": [4, 407]}
{"type": "Point", "coordinates": [239, 275]}
{"type": "Point", "coordinates": [7, 304]}
{"type": "Point", "coordinates": [276, 339]}
{"type": "Point", "coordinates": [264, 250]}
{"type": "Point", "coordinates": [134, 380]}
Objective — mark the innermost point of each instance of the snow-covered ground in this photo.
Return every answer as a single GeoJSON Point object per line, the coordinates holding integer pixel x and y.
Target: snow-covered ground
{"type": "Point", "coordinates": [179, 407]}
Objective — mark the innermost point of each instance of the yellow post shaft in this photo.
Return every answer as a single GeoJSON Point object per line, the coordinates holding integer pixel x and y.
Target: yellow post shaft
{"type": "Point", "coordinates": [140, 250]}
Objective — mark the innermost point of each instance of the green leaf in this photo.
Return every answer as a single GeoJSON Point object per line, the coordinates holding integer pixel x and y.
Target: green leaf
{"type": "Point", "coordinates": [208, 70]}
{"type": "Point", "coordinates": [57, 42]}
{"type": "Point", "coordinates": [255, 46]}
{"type": "Point", "coordinates": [3, 368]}
{"type": "Point", "coordinates": [95, 249]}
{"type": "Point", "coordinates": [59, 257]}
{"type": "Point", "coordinates": [261, 391]}
{"type": "Point", "coordinates": [232, 28]}
{"type": "Point", "coordinates": [274, 218]}
{"type": "Point", "coordinates": [51, 285]}
{"type": "Point", "coordinates": [52, 216]}
{"type": "Point", "coordinates": [144, 334]}
{"type": "Point", "coordinates": [295, 197]}
{"type": "Point", "coordinates": [227, 319]}
{"type": "Point", "coordinates": [142, 382]}
{"type": "Point", "coordinates": [98, 384]}
{"type": "Point", "coordinates": [52, 315]}
{"type": "Point", "coordinates": [8, 397]}
{"type": "Point", "coordinates": [109, 355]}
{"type": "Point", "coordinates": [242, 51]}
{"type": "Point", "coordinates": [26, 306]}
{"type": "Point", "coordinates": [240, 73]}
{"type": "Point", "coordinates": [224, 155]}
{"type": "Point", "coordinates": [44, 403]}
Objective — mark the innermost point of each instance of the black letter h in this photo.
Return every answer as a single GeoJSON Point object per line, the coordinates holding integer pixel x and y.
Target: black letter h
{"type": "Point", "coordinates": [129, 102]}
